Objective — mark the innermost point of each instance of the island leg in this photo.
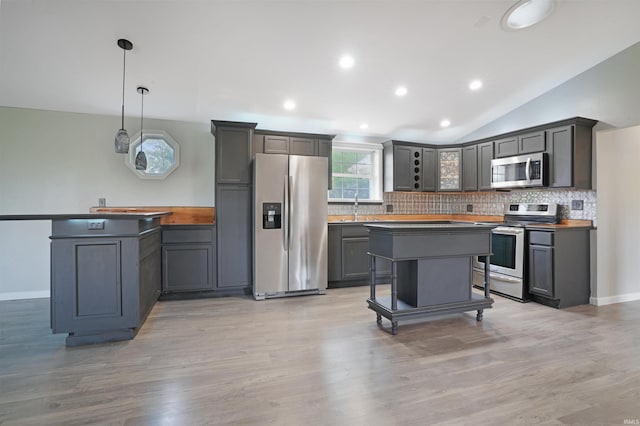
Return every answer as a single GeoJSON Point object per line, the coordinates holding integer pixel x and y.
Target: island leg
{"type": "Point", "coordinates": [373, 277]}
{"type": "Point", "coordinates": [479, 315]}
{"type": "Point", "coordinates": [378, 319]}
{"type": "Point", "coordinates": [394, 327]}
{"type": "Point", "coordinates": [394, 285]}
{"type": "Point", "coordinates": [487, 279]}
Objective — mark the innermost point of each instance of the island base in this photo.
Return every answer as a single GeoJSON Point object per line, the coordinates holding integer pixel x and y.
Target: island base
{"type": "Point", "coordinates": [75, 339]}
{"type": "Point", "coordinates": [382, 307]}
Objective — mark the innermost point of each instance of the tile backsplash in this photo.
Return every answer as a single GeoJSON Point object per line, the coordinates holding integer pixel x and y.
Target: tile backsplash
{"type": "Point", "coordinates": [483, 203]}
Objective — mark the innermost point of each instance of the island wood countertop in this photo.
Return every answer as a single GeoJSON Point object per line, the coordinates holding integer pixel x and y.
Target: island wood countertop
{"type": "Point", "coordinates": [180, 215]}
{"type": "Point", "coordinates": [68, 216]}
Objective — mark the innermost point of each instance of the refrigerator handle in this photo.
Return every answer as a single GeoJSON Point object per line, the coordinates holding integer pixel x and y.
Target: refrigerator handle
{"type": "Point", "coordinates": [285, 213]}
{"type": "Point", "coordinates": [289, 210]}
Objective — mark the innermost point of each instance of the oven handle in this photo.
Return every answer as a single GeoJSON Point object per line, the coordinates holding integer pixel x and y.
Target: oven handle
{"type": "Point", "coordinates": [508, 231]}
{"type": "Point", "coordinates": [505, 279]}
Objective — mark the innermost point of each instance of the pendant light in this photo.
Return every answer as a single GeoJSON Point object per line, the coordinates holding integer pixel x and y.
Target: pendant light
{"type": "Point", "coordinates": [122, 137]}
{"type": "Point", "coordinates": [141, 158]}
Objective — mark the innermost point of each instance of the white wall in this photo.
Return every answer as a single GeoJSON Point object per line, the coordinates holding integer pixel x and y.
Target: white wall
{"type": "Point", "coordinates": [618, 275]}
{"type": "Point", "coordinates": [53, 162]}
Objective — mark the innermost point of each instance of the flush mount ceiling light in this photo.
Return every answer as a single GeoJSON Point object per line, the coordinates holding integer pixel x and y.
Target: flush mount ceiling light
{"type": "Point", "coordinates": [364, 126]}
{"type": "Point", "coordinates": [141, 158]}
{"type": "Point", "coordinates": [289, 105]}
{"type": "Point", "coordinates": [122, 137]}
{"type": "Point", "coordinates": [526, 13]}
{"type": "Point", "coordinates": [475, 85]}
{"type": "Point", "coordinates": [401, 91]}
{"type": "Point", "coordinates": [445, 123]}
{"type": "Point", "coordinates": [346, 62]}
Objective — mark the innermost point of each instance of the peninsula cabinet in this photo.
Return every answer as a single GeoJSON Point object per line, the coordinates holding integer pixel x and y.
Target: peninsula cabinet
{"type": "Point", "coordinates": [559, 267]}
{"type": "Point", "coordinates": [188, 258]}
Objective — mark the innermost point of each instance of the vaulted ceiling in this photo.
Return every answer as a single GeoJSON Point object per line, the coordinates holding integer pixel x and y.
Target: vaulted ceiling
{"type": "Point", "coordinates": [240, 60]}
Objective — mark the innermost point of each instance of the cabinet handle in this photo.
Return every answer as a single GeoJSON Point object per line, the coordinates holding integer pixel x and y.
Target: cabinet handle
{"type": "Point", "coordinates": [528, 168]}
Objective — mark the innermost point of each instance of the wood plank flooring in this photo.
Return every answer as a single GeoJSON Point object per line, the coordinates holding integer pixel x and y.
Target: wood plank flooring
{"type": "Point", "coordinates": [322, 360]}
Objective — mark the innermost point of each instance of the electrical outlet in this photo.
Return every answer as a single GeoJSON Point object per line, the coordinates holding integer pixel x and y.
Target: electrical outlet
{"type": "Point", "coordinates": [469, 207]}
{"type": "Point", "coordinates": [102, 202]}
{"type": "Point", "coordinates": [577, 204]}
{"type": "Point", "coordinates": [95, 224]}
{"type": "Point", "coordinates": [389, 208]}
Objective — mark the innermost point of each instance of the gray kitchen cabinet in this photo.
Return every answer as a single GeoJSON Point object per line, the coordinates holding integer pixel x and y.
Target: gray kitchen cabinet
{"type": "Point", "coordinates": [559, 273]}
{"type": "Point", "coordinates": [324, 150]}
{"type": "Point", "coordinates": [233, 151]}
{"type": "Point", "coordinates": [405, 168]}
{"type": "Point", "coordinates": [449, 169]}
{"type": "Point", "coordinates": [188, 258]}
{"type": "Point", "coordinates": [429, 169]}
{"type": "Point", "coordinates": [349, 261]}
{"type": "Point", "coordinates": [524, 143]}
{"type": "Point", "coordinates": [234, 245]}
{"type": "Point", "coordinates": [275, 144]}
{"type": "Point", "coordinates": [570, 155]}
{"type": "Point", "coordinates": [470, 168]}
{"type": "Point", "coordinates": [303, 146]}
{"type": "Point", "coordinates": [402, 168]}
{"type": "Point", "coordinates": [485, 155]}
{"type": "Point", "coordinates": [104, 280]}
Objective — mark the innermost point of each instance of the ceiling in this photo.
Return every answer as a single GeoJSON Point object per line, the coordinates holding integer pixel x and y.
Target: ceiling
{"type": "Point", "coordinates": [239, 60]}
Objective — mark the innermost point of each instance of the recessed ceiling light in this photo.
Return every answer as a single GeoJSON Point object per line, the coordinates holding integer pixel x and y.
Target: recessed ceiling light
{"type": "Point", "coordinates": [401, 91]}
{"type": "Point", "coordinates": [289, 105]}
{"type": "Point", "coordinates": [445, 123]}
{"type": "Point", "coordinates": [526, 13]}
{"type": "Point", "coordinates": [347, 61]}
{"type": "Point", "coordinates": [364, 126]}
{"type": "Point", "coordinates": [475, 85]}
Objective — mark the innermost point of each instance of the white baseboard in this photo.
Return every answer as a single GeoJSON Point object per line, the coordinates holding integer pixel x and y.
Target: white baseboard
{"type": "Point", "coordinates": [25, 295]}
{"type": "Point", "coordinates": [620, 298]}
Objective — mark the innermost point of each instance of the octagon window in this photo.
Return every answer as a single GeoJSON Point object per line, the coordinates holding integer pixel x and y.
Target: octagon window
{"type": "Point", "coordinates": [161, 150]}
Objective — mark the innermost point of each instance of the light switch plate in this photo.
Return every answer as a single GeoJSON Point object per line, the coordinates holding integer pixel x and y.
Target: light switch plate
{"type": "Point", "coordinates": [577, 204]}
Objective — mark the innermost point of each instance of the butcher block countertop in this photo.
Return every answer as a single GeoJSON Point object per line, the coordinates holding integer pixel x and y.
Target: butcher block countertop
{"type": "Point", "coordinates": [180, 215]}
{"type": "Point", "coordinates": [346, 219]}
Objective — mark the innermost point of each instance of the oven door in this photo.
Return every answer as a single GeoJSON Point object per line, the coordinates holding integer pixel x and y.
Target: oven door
{"type": "Point", "coordinates": [507, 244]}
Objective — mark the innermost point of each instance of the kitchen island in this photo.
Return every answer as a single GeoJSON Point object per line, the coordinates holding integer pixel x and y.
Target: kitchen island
{"type": "Point", "coordinates": [431, 269]}
{"type": "Point", "coordinates": [105, 273]}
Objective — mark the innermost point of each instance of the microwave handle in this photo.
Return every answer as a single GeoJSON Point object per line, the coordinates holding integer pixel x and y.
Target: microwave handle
{"type": "Point", "coordinates": [527, 169]}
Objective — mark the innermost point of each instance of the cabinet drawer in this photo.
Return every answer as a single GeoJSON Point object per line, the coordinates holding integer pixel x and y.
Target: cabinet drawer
{"type": "Point", "coordinates": [541, 238]}
{"type": "Point", "coordinates": [170, 236]}
{"type": "Point", "coordinates": [355, 231]}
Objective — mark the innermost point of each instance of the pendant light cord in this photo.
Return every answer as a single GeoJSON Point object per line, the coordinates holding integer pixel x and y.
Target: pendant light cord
{"type": "Point", "coordinates": [142, 123]}
{"type": "Point", "coordinates": [124, 67]}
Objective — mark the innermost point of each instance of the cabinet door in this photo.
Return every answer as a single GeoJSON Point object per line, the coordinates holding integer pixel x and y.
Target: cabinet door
{"type": "Point", "coordinates": [233, 155]}
{"type": "Point", "coordinates": [541, 270]}
{"type": "Point", "coordinates": [303, 146]}
{"type": "Point", "coordinates": [485, 155]}
{"type": "Point", "coordinates": [334, 253]}
{"type": "Point", "coordinates": [187, 267]}
{"type": "Point", "coordinates": [429, 169]}
{"type": "Point", "coordinates": [506, 147]}
{"type": "Point", "coordinates": [233, 220]}
{"type": "Point", "coordinates": [355, 260]}
{"type": "Point", "coordinates": [276, 144]}
{"type": "Point", "coordinates": [324, 150]}
{"type": "Point", "coordinates": [449, 169]}
{"type": "Point", "coordinates": [470, 168]}
{"type": "Point", "coordinates": [531, 142]}
{"type": "Point", "coordinates": [560, 150]}
{"type": "Point", "coordinates": [402, 170]}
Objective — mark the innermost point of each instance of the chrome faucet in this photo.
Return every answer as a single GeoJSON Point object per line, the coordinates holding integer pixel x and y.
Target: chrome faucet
{"type": "Point", "coordinates": [355, 209]}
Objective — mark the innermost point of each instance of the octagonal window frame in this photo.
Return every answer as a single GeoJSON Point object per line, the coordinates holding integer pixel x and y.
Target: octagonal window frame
{"type": "Point", "coordinates": [130, 158]}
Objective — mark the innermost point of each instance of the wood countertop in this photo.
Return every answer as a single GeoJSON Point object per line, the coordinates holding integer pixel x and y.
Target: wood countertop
{"type": "Point", "coordinates": [180, 215]}
{"type": "Point", "coordinates": [96, 215]}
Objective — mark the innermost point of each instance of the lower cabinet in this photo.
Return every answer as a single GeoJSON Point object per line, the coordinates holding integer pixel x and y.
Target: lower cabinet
{"type": "Point", "coordinates": [188, 258]}
{"type": "Point", "coordinates": [559, 273]}
{"type": "Point", "coordinates": [349, 262]}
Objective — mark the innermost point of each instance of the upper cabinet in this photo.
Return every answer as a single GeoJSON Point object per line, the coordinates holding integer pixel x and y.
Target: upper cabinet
{"type": "Point", "coordinates": [569, 149]}
{"type": "Point", "coordinates": [450, 169]}
{"type": "Point", "coordinates": [409, 167]}
{"type": "Point", "coordinates": [485, 155]}
{"type": "Point", "coordinates": [525, 143]}
{"type": "Point", "coordinates": [233, 141]}
{"type": "Point", "coordinates": [470, 168]}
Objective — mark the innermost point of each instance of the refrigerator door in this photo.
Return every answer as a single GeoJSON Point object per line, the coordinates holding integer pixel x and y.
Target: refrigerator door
{"type": "Point", "coordinates": [307, 223]}
{"type": "Point", "coordinates": [270, 254]}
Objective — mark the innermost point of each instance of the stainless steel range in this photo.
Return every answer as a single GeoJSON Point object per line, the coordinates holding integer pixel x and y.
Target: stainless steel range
{"type": "Point", "coordinates": [508, 262]}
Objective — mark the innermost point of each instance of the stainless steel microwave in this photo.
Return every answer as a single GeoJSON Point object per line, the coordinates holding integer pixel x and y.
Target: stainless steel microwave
{"type": "Point", "coordinates": [521, 171]}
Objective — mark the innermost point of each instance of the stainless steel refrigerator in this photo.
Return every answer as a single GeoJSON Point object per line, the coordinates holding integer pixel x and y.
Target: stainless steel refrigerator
{"type": "Point", "coordinates": [290, 225]}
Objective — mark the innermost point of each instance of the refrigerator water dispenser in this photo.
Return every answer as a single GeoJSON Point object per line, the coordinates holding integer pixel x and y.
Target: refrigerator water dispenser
{"type": "Point", "coordinates": [271, 215]}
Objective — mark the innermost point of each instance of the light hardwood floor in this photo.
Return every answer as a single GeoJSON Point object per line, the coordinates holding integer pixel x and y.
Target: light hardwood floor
{"type": "Point", "coordinates": [322, 360]}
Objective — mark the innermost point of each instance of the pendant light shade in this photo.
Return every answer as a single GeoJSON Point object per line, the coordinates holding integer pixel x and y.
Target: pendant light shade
{"type": "Point", "coordinates": [122, 137]}
{"type": "Point", "coordinates": [141, 158]}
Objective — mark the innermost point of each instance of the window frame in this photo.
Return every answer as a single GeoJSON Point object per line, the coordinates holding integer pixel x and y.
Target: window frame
{"type": "Point", "coordinates": [376, 150]}
{"type": "Point", "coordinates": [130, 158]}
